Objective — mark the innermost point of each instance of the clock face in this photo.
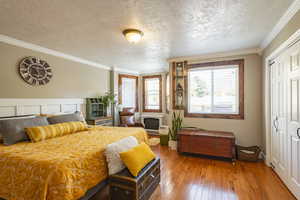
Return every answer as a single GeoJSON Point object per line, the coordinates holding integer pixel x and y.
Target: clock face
{"type": "Point", "coordinates": [35, 71]}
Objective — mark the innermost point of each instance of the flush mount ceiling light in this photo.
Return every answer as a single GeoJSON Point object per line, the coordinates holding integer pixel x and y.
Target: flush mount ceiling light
{"type": "Point", "coordinates": [133, 35]}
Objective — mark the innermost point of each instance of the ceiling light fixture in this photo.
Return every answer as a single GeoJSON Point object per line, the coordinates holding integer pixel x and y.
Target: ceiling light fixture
{"type": "Point", "coordinates": [133, 35]}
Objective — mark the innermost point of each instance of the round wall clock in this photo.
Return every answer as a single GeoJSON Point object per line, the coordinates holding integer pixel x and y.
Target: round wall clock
{"type": "Point", "coordinates": [35, 71]}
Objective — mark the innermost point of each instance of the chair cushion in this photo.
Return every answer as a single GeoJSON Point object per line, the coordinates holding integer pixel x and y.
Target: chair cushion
{"type": "Point", "coordinates": [128, 120]}
{"type": "Point", "coordinates": [129, 110]}
{"type": "Point", "coordinates": [137, 158]}
{"type": "Point", "coordinates": [40, 133]}
{"type": "Point", "coordinates": [112, 151]}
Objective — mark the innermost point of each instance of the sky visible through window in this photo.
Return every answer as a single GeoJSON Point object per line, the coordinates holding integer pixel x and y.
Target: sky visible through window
{"type": "Point", "coordinates": [152, 90]}
{"type": "Point", "coordinates": [128, 92]}
{"type": "Point", "coordinates": [213, 90]}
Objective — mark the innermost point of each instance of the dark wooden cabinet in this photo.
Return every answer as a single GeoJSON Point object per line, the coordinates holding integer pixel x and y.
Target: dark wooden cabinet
{"type": "Point", "coordinates": [212, 143]}
{"type": "Point", "coordinates": [123, 186]}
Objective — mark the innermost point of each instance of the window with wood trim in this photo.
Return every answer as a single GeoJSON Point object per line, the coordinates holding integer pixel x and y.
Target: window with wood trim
{"type": "Point", "coordinates": [152, 93]}
{"type": "Point", "coordinates": [168, 99]}
{"type": "Point", "coordinates": [128, 91]}
{"type": "Point", "coordinates": [215, 90]}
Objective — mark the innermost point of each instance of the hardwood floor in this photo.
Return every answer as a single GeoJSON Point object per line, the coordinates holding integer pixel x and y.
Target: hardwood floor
{"type": "Point", "coordinates": [186, 177]}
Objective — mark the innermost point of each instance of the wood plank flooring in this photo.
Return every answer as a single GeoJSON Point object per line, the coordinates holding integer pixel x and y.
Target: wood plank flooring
{"type": "Point", "coordinates": [185, 177]}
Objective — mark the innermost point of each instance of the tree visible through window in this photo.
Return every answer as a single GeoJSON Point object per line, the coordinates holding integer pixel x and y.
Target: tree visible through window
{"type": "Point", "coordinates": [214, 89]}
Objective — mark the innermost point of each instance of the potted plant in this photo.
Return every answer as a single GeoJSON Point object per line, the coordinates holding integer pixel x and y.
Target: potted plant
{"type": "Point", "coordinates": [176, 126]}
{"type": "Point", "coordinates": [108, 100]}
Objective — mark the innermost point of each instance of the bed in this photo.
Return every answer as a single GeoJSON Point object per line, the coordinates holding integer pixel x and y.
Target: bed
{"type": "Point", "coordinates": [62, 168]}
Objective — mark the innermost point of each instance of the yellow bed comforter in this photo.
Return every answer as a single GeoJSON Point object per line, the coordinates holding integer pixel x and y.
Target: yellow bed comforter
{"type": "Point", "coordinates": [62, 168]}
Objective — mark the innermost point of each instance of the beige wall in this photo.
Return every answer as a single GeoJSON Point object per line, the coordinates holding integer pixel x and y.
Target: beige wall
{"type": "Point", "coordinates": [70, 79]}
{"type": "Point", "coordinates": [292, 26]}
{"type": "Point", "coordinates": [248, 131]}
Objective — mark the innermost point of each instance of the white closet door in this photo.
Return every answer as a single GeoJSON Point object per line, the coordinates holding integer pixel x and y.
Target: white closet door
{"type": "Point", "coordinates": [293, 60]}
{"type": "Point", "coordinates": [279, 132]}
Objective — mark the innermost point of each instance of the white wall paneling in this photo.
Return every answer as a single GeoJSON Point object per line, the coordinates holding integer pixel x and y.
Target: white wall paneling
{"type": "Point", "coordinates": [15, 107]}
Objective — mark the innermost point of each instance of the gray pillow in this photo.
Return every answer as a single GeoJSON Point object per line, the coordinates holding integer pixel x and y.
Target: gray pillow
{"type": "Point", "coordinates": [14, 117]}
{"type": "Point", "coordinates": [73, 117]}
{"type": "Point", "coordinates": [13, 130]}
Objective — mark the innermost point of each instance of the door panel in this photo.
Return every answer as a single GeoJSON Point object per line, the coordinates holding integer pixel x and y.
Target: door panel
{"type": "Point", "coordinates": [295, 161]}
{"type": "Point", "coordinates": [274, 105]}
{"type": "Point", "coordinates": [279, 133]}
{"type": "Point", "coordinates": [285, 116]}
{"type": "Point", "coordinates": [294, 59]}
{"type": "Point", "coordinates": [294, 100]}
{"type": "Point", "coordinates": [293, 121]}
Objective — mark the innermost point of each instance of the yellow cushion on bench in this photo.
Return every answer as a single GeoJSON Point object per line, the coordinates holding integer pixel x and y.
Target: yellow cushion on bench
{"type": "Point", "coordinates": [137, 158]}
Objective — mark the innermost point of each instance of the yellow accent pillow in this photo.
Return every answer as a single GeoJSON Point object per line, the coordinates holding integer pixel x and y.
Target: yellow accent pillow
{"type": "Point", "coordinates": [40, 133]}
{"type": "Point", "coordinates": [137, 158]}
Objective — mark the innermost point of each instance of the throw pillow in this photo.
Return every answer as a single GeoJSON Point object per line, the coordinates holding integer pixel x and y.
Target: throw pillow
{"type": "Point", "coordinates": [13, 130]}
{"type": "Point", "coordinates": [113, 150]}
{"type": "Point", "coordinates": [40, 133]}
{"type": "Point", "coordinates": [73, 117]}
{"type": "Point", "coordinates": [137, 158]}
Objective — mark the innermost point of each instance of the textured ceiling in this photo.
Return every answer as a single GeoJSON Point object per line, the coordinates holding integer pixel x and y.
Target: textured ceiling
{"type": "Point", "coordinates": [92, 29]}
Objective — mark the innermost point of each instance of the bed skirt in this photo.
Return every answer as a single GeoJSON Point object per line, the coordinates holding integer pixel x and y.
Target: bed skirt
{"type": "Point", "coordinates": [91, 192]}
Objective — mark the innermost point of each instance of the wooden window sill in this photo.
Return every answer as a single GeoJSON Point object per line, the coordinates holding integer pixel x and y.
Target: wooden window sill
{"type": "Point", "coordinates": [215, 116]}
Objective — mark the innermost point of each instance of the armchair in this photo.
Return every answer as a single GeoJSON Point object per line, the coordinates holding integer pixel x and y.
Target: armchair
{"type": "Point", "coordinates": [127, 118]}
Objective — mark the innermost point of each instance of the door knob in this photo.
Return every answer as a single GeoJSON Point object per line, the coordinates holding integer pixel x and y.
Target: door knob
{"type": "Point", "coordinates": [298, 134]}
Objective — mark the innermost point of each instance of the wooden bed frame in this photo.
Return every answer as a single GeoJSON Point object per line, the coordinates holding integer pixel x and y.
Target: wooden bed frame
{"type": "Point", "coordinates": [92, 191]}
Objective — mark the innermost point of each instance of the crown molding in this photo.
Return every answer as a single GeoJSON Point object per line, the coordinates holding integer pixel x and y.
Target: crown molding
{"type": "Point", "coordinates": [218, 55]}
{"type": "Point", "coordinates": [286, 17]}
{"type": "Point", "coordinates": [121, 70]}
{"type": "Point", "coordinates": [154, 72]}
{"type": "Point", "coordinates": [289, 42]}
{"type": "Point", "coordinates": [34, 47]}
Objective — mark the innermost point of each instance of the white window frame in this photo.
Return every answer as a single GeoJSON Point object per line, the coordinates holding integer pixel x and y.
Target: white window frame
{"type": "Point", "coordinates": [121, 76]}
{"type": "Point", "coordinates": [160, 93]}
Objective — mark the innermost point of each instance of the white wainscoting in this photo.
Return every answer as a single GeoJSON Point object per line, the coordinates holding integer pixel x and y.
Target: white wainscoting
{"type": "Point", "coordinates": [15, 107]}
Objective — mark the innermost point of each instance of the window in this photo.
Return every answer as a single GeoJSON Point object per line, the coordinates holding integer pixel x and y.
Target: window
{"type": "Point", "coordinates": [128, 87]}
{"type": "Point", "coordinates": [215, 90]}
{"type": "Point", "coordinates": [152, 89]}
{"type": "Point", "coordinates": [168, 93]}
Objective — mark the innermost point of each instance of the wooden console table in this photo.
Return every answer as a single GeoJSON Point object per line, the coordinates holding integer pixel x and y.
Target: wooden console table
{"type": "Point", "coordinates": [103, 121]}
{"type": "Point", "coordinates": [212, 143]}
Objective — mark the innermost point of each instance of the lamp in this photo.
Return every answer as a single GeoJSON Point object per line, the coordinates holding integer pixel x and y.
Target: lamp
{"type": "Point", "coordinates": [133, 35]}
